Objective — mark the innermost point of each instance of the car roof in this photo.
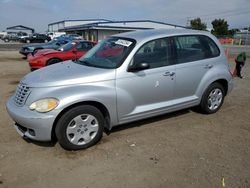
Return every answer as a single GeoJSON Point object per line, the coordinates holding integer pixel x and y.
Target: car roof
{"type": "Point", "coordinates": [158, 33]}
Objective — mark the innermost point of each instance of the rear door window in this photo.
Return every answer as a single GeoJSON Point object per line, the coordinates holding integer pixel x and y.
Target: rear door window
{"type": "Point", "coordinates": [194, 48]}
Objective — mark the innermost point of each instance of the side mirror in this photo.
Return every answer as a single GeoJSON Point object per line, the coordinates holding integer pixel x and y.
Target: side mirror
{"type": "Point", "coordinates": [139, 67]}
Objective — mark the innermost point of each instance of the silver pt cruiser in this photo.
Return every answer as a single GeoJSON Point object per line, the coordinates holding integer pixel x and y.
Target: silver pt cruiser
{"type": "Point", "coordinates": [127, 77]}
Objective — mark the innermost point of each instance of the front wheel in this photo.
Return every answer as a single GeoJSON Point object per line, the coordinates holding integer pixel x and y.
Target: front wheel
{"type": "Point", "coordinates": [80, 127]}
{"type": "Point", "coordinates": [212, 98]}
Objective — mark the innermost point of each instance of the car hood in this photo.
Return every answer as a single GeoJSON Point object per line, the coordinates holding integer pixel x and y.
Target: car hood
{"type": "Point", "coordinates": [67, 73]}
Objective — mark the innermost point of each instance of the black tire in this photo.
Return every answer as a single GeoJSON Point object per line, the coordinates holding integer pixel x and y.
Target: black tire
{"type": "Point", "coordinates": [53, 61]}
{"type": "Point", "coordinates": [32, 69]}
{"type": "Point", "coordinates": [204, 105]}
{"type": "Point", "coordinates": [68, 117]}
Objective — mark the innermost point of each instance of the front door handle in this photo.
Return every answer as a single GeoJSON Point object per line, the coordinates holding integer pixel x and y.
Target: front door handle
{"type": "Point", "coordinates": [169, 74]}
{"type": "Point", "coordinates": [208, 66]}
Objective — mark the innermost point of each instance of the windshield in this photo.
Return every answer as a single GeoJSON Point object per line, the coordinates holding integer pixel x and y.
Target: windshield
{"type": "Point", "coordinates": [109, 53]}
{"type": "Point", "coordinates": [67, 46]}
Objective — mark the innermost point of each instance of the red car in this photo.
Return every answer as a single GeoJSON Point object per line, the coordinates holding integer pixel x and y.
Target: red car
{"type": "Point", "coordinates": [70, 51]}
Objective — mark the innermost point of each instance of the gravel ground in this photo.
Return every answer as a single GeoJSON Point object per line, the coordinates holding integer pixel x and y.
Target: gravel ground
{"type": "Point", "coordinates": [10, 46]}
{"type": "Point", "coordinates": [182, 149]}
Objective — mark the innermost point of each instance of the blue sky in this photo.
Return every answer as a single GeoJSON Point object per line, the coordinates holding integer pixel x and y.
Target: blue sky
{"type": "Point", "coordinates": [38, 13]}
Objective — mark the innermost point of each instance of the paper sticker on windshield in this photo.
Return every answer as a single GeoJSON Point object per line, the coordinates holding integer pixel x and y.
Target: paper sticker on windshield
{"type": "Point", "coordinates": [123, 42]}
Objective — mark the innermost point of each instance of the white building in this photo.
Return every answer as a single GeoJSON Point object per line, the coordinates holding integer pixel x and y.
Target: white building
{"type": "Point", "coordinates": [98, 29]}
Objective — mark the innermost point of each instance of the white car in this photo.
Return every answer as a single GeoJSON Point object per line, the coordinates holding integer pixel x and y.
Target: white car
{"type": "Point", "coordinates": [53, 35]}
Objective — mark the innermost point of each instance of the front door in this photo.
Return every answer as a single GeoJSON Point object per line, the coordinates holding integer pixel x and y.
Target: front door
{"type": "Point", "coordinates": [147, 92]}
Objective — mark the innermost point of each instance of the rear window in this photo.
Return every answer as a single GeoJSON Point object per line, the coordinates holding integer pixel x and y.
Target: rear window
{"type": "Point", "coordinates": [194, 48]}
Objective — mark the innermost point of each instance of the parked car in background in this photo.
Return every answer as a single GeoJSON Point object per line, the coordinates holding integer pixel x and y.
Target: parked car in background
{"type": "Point", "coordinates": [22, 36]}
{"type": "Point", "coordinates": [71, 37]}
{"type": "Point", "coordinates": [70, 51]}
{"type": "Point", "coordinates": [2, 34]}
{"type": "Point", "coordinates": [16, 37]}
{"type": "Point", "coordinates": [36, 38]}
{"type": "Point", "coordinates": [74, 36]}
{"type": "Point", "coordinates": [32, 48]}
{"type": "Point", "coordinates": [10, 37]}
{"type": "Point", "coordinates": [54, 35]}
{"type": "Point", "coordinates": [147, 73]}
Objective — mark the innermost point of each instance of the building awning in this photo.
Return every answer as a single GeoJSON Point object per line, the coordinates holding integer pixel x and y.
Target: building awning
{"type": "Point", "coordinates": [103, 27]}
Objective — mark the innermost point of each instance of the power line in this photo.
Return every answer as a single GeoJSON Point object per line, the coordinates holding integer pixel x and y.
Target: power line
{"type": "Point", "coordinates": [226, 15]}
{"type": "Point", "coordinates": [234, 12]}
{"type": "Point", "coordinates": [226, 12]}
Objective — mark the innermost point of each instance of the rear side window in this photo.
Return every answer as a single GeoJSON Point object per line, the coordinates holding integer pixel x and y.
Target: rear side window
{"type": "Point", "coordinates": [194, 48]}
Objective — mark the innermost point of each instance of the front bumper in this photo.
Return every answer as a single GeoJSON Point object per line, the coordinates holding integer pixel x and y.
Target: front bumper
{"type": "Point", "coordinates": [36, 63]}
{"type": "Point", "coordinates": [31, 124]}
{"type": "Point", "coordinates": [24, 52]}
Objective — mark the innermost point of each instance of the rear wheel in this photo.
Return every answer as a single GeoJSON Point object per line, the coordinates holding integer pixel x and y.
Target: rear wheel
{"type": "Point", "coordinates": [28, 41]}
{"type": "Point", "coordinates": [213, 98]}
{"type": "Point", "coordinates": [53, 61]}
{"type": "Point", "coordinates": [80, 127]}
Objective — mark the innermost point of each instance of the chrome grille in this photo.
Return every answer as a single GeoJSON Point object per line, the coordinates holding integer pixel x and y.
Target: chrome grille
{"type": "Point", "coordinates": [22, 92]}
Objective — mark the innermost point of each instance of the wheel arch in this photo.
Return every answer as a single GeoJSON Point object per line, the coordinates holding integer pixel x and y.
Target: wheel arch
{"type": "Point", "coordinates": [224, 83]}
{"type": "Point", "coordinates": [98, 105]}
{"type": "Point", "coordinates": [56, 58]}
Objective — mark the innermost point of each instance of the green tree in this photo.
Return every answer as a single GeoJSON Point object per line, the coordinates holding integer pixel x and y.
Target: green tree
{"type": "Point", "coordinates": [220, 27]}
{"type": "Point", "coordinates": [197, 24]}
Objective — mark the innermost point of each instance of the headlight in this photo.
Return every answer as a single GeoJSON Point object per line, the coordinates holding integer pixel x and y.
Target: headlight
{"type": "Point", "coordinates": [44, 105]}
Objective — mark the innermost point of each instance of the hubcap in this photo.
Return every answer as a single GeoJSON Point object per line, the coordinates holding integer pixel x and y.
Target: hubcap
{"type": "Point", "coordinates": [215, 99]}
{"type": "Point", "coordinates": [82, 129]}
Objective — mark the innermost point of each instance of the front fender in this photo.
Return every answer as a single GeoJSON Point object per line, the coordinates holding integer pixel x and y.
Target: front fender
{"type": "Point", "coordinates": [103, 93]}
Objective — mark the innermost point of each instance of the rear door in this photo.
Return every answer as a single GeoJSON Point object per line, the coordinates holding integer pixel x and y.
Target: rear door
{"type": "Point", "coordinates": [194, 58]}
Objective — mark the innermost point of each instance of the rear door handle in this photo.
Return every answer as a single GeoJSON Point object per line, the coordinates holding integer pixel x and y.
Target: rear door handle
{"type": "Point", "coordinates": [169, 74]}
{"type": "Point", "coordinates": [208, 66]}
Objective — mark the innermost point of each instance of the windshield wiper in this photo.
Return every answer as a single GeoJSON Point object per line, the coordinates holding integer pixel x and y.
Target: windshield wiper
{"type": "Point", "coordinates": [84, 62]}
